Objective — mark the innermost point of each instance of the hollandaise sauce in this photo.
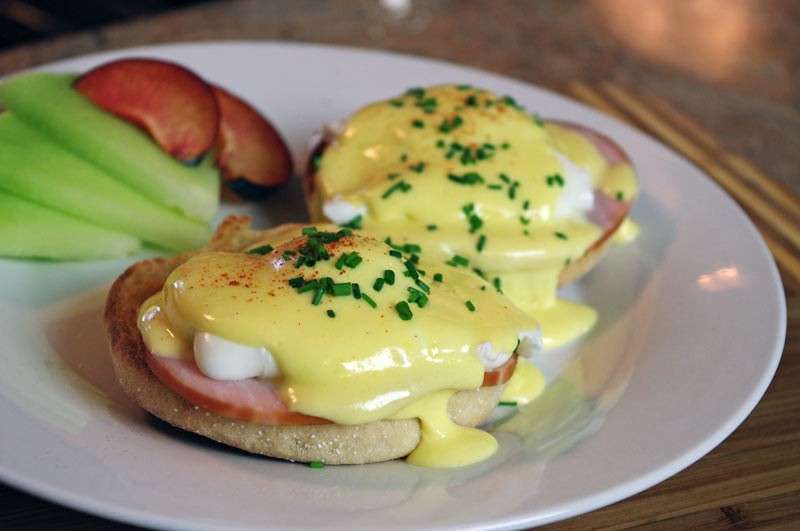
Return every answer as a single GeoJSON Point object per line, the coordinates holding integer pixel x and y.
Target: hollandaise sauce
{"type": "Point", "coordinates": [472, 182]}
{"type": "Point", "coordinates": [354, 330]}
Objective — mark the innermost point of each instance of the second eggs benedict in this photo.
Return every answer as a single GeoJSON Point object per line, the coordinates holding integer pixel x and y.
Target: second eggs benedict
{"type": "Point", "coordinates": [470, 181]}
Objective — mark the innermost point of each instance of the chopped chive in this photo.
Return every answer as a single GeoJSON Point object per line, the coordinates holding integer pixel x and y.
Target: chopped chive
{"type": "Point", "coordinates": [356, 291]}
{"type": "Point", "coordinates": [438, 277]}
{"type": "Point", "coordinates": [494, 186]}
{"type": "Point", "coordinates": [393, 176]}
{"type": "Point", "coordinates": [316, 160]}
{"type": "Point", "coordinates": [403, 157]}
{"type": "Point", "coordinates": [341, 260]}
{"type": "Point", "coordinates": [505, 178]}
{"type": "Point", "coordinates": [524, 220]}
{"type": "Point", "coordinates": [388, 276]}
{"type": "Point", "coordinates": [354, 223]}
{"type": "Point", "coordinates": [447, 126]}
{"type": "Point", "coordinates": [342, 289]}
{"type": "Point", "coordinates": [417, 92]}
{"type": "Point", "coordinates": [318, 295]}
{"type": "Point", "coordinates": [412, 269]}
{"type": "Point", "coordinates": [316, 464]}
{"type": "Point", "coordinates": [396, 103]}
{"type": "Point", "coordinates": [369, 300]}
{"type": "Point", "coordinates": [353, 259]}
{"type": "Point", "coordinates": [308, 231]}
{"type": "Point", "coordinates": [505, 145]}
{"type": "Point", "coordinates": [481, 243]}
{"type": "Point", "coordinates": [424, 287]}
{"type": "Point", "coordinates": [403, 311]}
{"type": "Point", "coordinates": [512, 190]}
{"type": "Point", "coordinates": [497, 284]}
{"type": "Point", "coordinates": [419, 167]}
{"type": "Point", "coordinates": [464, 87]}
{"type": "Point", "coordinates": [469, 178]}
{"type": "Point", "coordinates": [620, 196]}
{"type": "Point", "coordinates": [458, 261]}
{"type": "Point", "coordinates": [297, 282]}
{"type": "Point", "coordinates": [526, 205]}
{"type": "Point", "coordinates": [431, 227]}
{"type": "Point", "coordinates": [560, 235]}
{"type": "Point", "coordinates": [331, 313]}
{"type": "Point", "coordinates": [471, 101]}
{"type": "Point", "coordinates": [478, 271]}
{"type": "Point", "coordinates": [538, 120]}
{"type": "Point", "coordinates": [378, 284]}
{"type": "Point", "coordinates": [470, 306]}
{"type": "Point", "coordinates": [262, 250]}
{"type": "Point", "coordinates": [508, 403]}
{"type": "Point", "coordinates": [419, 124]}
{"type": "Point", "coordinates": [555, 180]}
{"type": "Point", "coordinates": [308, 286]}
{"type": "Point", "coordinates": [395, 253]}
{"type": "Point", "coordinates": [567, 261]}
{"type": "Point", "coordinates": [400, 185]}
{"type": "Point", "coordinates": [440, 143]}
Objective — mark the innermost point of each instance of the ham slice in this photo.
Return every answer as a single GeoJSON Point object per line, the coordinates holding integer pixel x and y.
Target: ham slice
{"type": "Point", "coordinates": [253, 399]}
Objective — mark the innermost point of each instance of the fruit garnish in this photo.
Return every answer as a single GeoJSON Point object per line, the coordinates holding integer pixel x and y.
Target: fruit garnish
{"type": "Point", "coordinates": [174, 105]}
{"type": "Point", "coordinates": [252, 155]}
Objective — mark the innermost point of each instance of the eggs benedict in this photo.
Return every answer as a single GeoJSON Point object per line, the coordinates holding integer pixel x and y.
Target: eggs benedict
{"type": "Point", "coordinates": [319, 344]}
{"type": "Point", "coordinates": [473, 182]}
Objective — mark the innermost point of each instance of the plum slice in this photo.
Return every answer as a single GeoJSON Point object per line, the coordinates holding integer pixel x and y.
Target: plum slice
{"type": "Point", "coordinates": [252, 155]}
{"type": "Point", "coordinates": [175, 106]}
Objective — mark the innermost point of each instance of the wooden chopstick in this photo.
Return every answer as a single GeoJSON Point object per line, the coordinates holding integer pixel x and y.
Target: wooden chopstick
{"type": "Point", "coordinates": [778, 219]}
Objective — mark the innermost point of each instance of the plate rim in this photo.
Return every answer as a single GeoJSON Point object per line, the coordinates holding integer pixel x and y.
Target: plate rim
{"type": "Point", "coordinates": [122, 513]}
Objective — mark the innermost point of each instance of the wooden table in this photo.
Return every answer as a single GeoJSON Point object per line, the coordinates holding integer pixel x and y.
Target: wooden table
{"type": "Point", "coordinates": [718, 80]}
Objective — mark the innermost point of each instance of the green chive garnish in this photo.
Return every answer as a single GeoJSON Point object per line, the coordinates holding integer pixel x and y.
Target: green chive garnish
{"type": "Point", "coordinates": [395, 253]}
{"type": "Point", "coordinates": [470, 306]}
{"type": "Point", "coordinates": [388, 276]}
{"type": "Point", "coordinates": [354, 223]}
{"type": "Point", "coordinates": [308, 231]}
{"type": "Point", "coordinates": [526, 205]}
{"type": "Point", "coordinates": [396, 103]}
{"type": "Point", "coordinates": [403, 311]}
{"type": "Point", "coordinates": [509, 403]}
{"type": "Point", "coordinates": [353, 259]}
{"type": "Point", "coordinates": [620, 196]}
{"type": "Point", "coordinates": [342, 289]}
{"type": "Point", "coordinates": [481, 243]}
{"type": "Point", "coordinates": [316, 464]}
{"type": "Point", "coordinates": [356, 291]}
{"type": "Point", "coordinates": [431, 227]}
{"type": "Point", "coordinates": [262, 250]}
{"type": "Point", "coordinates": [297, 282]}
{"type": "Point", "coordinates": [560, 235]}
{"type": "Point", "coordinates": [400, 185]}
{"type": "Point", "coordinates": [438, 277]}
{"type": "Point", "coordinates": [419, 167]}
{"type": "Point", "coordinates": [331, 313]}
{"type": "Point", "coordinates": [497, 284]}
{"type": "Point", "coordinates": [458, 261]}
{"type": "Point", "coordinates": [470, 178]}
{"type": "Point", "coordinates": [378, 284]}
{"type": "Point", "coordinates": [419, 124]}
{"type": "Point", "coordinates": [369, 300]}
{"type": "Point", "coordinates": [318, 295]}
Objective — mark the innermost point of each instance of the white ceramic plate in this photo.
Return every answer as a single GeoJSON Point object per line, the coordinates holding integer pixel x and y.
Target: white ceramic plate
{"type": "Point", "coordinates": [691, 330]}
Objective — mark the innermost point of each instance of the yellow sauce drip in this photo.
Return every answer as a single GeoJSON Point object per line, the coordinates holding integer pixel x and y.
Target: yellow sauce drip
{"type": "Point", "coordinates": [445, 444]}
{"type": "Point", "coordinates": [627, 232]}
{"type": "Point", "coordinates": [159, 334]}
{"type": "Point", "coordinates": [525, 385]}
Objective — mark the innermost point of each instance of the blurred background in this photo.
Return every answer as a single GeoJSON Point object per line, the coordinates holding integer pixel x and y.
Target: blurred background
{"type": "Point", "coordinates": [734, 65]}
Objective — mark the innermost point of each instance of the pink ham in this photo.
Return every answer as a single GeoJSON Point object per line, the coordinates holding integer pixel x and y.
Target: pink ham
{"type": "Point", "coordinates": [251, 400]}
{"type": "Point", "coordinates": [607, 211]}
